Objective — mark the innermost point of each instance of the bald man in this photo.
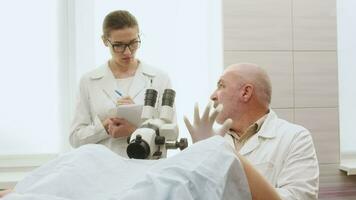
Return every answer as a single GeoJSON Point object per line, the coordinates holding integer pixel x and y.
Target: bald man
{"type": "Point", "coordinates": [278, 157]}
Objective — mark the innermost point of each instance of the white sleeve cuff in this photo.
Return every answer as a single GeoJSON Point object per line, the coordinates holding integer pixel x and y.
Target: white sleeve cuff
{"type": "Point", "coordinates": [99, 129]}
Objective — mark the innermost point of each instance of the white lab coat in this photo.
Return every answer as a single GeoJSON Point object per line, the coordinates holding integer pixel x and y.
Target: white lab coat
{"type": "Point", "coordinates": [284, 153]}
{"type": "Point", "coordinates": [93, 105]}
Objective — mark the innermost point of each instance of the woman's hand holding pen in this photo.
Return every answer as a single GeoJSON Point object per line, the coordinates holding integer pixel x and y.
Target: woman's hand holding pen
{"type": "Point", "coordinates": [125, 100]}
{"type": "Point", "coordinates": [122, 100]}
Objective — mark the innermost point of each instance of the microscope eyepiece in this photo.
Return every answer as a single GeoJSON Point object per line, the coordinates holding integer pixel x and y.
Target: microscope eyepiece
{"type": "Point", "coordinates": [150, 97]}
{"type": "Point", "coordinates": [168, 97]}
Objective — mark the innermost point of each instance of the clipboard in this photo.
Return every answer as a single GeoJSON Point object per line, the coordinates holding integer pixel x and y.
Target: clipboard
{"type": "Point", "coordinates": [131, 112]}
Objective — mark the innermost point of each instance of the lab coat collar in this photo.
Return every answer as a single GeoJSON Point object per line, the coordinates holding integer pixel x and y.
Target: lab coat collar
{"type": "Point", "coordinates": [143, 76]}
{"type": "Point", "coordinates": [104, 70]}
{"type": "Point", "coordinates": [267, 131]}
{"type": "Point", "coordinates": [101, 72]}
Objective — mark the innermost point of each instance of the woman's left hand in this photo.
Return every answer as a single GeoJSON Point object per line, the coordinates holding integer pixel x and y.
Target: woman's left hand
{"type": "Point", "coordinates": [120, 127]}
{"type": "Point", "coordinates": [125, 100]}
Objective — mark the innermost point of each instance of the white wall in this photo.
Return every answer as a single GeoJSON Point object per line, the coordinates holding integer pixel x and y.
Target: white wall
{"type": "Point", "coordinates": [346, 31]}
{"type": "Point", "coordinates": [29, 118]}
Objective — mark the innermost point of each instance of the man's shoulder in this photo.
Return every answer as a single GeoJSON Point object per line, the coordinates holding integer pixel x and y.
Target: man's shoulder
{"type": "Point", "coordinates": [283, 127]}
{"type": "Point", "coordinates": [285, 133]}
{"type": "Point", "coordinates": [284, 124]}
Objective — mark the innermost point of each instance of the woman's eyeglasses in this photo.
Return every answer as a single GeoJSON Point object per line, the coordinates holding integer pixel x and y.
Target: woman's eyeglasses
{"type": "Point", "coordinates": [121, 47]}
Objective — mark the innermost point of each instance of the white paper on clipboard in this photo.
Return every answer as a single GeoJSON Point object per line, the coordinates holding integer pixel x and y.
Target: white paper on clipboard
{"type": "Point", "coordinates": [131, 112]}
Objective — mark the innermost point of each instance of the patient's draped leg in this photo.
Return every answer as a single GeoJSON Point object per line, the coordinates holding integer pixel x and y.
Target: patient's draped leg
{"type": "Point", "coordinates": [208, 169]}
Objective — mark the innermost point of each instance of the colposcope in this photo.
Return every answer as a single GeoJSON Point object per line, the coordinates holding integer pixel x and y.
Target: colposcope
{"type": "Point", "coordinates": [158, 132]}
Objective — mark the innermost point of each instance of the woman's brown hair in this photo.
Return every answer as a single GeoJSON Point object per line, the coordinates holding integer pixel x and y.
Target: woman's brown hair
{"type": "Point", "coordinates": [118, 19]}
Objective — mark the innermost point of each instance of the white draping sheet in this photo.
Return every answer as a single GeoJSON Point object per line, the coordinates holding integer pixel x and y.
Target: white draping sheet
{"type": "Point", "coordinates": [206, 170]}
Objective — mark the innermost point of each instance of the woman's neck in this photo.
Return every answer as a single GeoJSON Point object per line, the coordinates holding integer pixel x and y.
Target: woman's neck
{"type": "Point", "coordinates": [123, 71]}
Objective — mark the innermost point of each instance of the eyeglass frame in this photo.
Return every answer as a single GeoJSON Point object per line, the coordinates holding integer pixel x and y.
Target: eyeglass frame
{"type": "Point", "coordinates": [127, 45]}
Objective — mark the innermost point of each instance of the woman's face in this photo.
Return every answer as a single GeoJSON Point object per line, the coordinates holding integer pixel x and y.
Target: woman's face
{"type": "Point", "coordinates": [123, 44]}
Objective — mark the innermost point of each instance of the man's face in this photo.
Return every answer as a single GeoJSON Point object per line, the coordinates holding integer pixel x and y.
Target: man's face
{"type": "Point", "coordinates": [227, 94]}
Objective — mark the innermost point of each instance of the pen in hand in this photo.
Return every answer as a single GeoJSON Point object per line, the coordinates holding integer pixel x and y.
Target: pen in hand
{"type": "Point", "coordinates": [123, 100]}
{"type": "Point", "coordinates": [119, 93]}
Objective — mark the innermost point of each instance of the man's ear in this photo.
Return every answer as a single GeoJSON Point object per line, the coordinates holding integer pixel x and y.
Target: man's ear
{"type": "Point", "coordinates": [105, 41]}
{"type": "Point", "coordinates": [247, 91]}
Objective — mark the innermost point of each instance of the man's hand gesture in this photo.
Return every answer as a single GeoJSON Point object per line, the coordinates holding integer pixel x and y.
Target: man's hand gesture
{"type": "Point", "coordinates": [203, 127]}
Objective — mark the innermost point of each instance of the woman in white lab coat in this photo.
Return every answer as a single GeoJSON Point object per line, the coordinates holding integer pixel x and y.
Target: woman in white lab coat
{"type": "Point", "coordinates": [122, 80]}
